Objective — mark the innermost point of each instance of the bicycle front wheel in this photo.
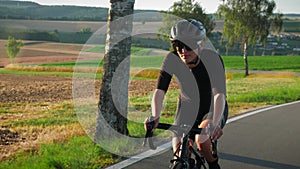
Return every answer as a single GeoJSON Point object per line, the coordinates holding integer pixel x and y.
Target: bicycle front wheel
{"type": "Point", "coordinates": [180, 165]}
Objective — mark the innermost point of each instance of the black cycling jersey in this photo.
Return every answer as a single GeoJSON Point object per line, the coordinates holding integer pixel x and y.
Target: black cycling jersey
{"type": "Point", "coordinates": [172, 65]}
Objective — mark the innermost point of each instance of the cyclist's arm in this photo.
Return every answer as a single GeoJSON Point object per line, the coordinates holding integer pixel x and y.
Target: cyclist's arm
{"type": "Point", "coordinates": [157, 104]}
{"type": "Point", "coordinates": [163, 83]}
{"type": "Point", "coordinates": [219, 105]}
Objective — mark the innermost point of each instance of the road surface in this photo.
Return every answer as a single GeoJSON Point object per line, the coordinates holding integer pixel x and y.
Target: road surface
{"type": "Point", "coordinates": [267, 138]}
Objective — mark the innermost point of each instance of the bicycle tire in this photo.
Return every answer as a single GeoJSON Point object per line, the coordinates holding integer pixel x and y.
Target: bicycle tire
{"type": "Point", "coordinates": [180, 165]}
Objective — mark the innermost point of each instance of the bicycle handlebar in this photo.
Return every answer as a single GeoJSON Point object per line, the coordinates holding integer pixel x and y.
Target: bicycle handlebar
{"type": "Point", "coordinates": [179, 128]}
{"type": "Point", "coordinates": [164, 126]}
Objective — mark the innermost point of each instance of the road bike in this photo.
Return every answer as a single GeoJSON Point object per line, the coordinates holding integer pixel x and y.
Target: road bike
{"type": "Point", "coordinates": [189, 157]}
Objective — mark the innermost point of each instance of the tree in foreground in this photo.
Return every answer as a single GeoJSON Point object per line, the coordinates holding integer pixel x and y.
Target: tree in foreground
{"type": "Point", "coordinates": [248, 21]}
{"type": "Point", "coordinates": [112, 112]}
{"type": "Point", "coordinates": [13, 48]}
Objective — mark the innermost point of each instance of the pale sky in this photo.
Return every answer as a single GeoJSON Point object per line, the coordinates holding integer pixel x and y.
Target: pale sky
{"type": "Point", "coordinates": [210, 6]}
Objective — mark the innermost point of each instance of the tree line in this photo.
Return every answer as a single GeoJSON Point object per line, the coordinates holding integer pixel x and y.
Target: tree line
{"type": "Point", "coordinates": [35, 11]}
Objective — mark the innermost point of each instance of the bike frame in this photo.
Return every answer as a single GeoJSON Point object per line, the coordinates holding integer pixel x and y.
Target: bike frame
{"type": "Point", "coordinates": [181, 161]}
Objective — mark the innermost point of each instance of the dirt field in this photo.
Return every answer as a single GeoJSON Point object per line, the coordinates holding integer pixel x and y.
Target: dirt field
{"type": "Point", "coordinates": [38, 52]}
{"type": "Point", "coordinates": [28, 89]}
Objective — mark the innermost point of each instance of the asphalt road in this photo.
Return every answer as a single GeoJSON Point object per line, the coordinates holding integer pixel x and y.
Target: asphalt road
{"type": "Point", "coordinates": [266, 139]}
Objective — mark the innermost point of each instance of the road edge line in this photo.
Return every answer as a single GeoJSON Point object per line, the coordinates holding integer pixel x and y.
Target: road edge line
{"type": "Point", "coordinates": [141, 156]}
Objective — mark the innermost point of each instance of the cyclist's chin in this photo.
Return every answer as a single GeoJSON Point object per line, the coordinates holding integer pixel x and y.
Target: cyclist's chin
{"type": "Point", "coordinates": [186, 60]}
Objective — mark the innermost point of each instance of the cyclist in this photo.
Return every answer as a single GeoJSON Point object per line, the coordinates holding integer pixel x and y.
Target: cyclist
{"type": "Point", "coordinates": [200, 73]}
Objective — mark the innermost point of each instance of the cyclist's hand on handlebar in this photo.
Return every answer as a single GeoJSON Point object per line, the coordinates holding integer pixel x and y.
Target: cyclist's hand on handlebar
{"type": "Point", "coordinates": [151, 123]}
{"type": "Point", "coordinates": [216, 133]}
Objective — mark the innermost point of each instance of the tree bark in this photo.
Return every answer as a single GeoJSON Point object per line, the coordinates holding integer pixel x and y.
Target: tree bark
{"type": "Point", "coordinates": [112, 106]}
{"type": "Point", "coordinates": [246, 58]}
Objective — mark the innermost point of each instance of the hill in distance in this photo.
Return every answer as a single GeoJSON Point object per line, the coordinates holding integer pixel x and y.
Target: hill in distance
{"type": "Point", "coordinates": [11, 9]}
{"type": "Point", "coordinates": [35, 11]}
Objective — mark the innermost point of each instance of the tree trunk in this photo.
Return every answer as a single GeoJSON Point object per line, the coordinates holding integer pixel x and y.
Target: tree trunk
{"type": "Point", "coordinates": [246, 58]}
{"type": "Point", "coordinates": [112, 106]}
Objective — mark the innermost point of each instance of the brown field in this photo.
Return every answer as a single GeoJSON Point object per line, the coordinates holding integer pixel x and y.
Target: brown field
{"type": "Point", "coordinates": [38, 52]}
{"type": "Point", "coordinates": [61, 26]}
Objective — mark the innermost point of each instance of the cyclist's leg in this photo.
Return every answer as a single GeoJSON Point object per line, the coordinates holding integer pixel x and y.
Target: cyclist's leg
{"type": "Point", "coordinates": [225, 115]}
{"type": "Point", "coordinates": [176, 141]}
{"type": "Point", "coordinates": [204, 143]}
{"type": "Point", "coordinates": [175, 144]}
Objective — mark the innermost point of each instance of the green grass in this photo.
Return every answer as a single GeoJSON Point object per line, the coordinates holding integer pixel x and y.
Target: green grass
{"type": "Point", "coordinates": [56, 73]}
{"type": "Point", "coordinates": [269, 63]}
{"type": "Point", "coordinates": [291, 26]}
{"type": "Point", "coordinates": [78, 152]}
{"type": "Point", "coordinates": [96, 49]}
{"type": "Point", "coordinates": [58, 114]}
{"type": "Point", "coordinates": [84, 63]}
{"type": "Point", "coordinates": [272, 63]}
{"type": "Point", "coordinates": [269, 90]}
{"type": "Point", "coordinates": [135, 62]}
{"type": "Point", "coordinates": [18, 72]}
{"type": "Point", "coordinates": [134, 50]}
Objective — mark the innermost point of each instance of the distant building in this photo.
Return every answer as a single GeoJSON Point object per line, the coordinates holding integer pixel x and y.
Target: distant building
{"type": "Point", "coordinates": [296, 49]}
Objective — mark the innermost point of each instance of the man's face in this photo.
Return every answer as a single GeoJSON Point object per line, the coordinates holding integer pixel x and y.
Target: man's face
{"type": "Point", "coordinates": [187, 54]}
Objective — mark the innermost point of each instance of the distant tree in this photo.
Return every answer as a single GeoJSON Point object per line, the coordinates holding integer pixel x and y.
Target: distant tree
{"type": "Point", "coordinates": [85, 30]}
{"type": "Point", "coordinates": [248, 21]}
{"type": "Point", "coordinates": [184, 9]}
{"type": "Point", "coordinates": [13, 48]}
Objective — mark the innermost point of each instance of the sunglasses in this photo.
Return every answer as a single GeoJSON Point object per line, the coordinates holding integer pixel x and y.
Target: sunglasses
{"type": "Point", "coordinates": [179, 46]}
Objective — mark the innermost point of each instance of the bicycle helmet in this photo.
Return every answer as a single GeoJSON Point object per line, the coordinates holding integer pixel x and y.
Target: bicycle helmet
{"type": "Point", "coordinates": [188, 31]}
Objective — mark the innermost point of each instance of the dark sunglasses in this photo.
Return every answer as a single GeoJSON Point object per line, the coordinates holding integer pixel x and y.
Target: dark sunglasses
{"type": "Point", "coordinates": [179, 46]}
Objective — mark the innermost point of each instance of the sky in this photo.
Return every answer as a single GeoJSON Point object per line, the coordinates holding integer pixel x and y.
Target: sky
{"type": "Point", "coordinates": [210, 6]}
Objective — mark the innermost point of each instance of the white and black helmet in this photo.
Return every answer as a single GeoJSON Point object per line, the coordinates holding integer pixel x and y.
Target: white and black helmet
{"type": "Point", "coordinates": [188, 31]}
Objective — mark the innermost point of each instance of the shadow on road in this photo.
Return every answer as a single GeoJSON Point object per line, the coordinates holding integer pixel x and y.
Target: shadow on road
{"type": "Point", "coordinates": [257, 162]}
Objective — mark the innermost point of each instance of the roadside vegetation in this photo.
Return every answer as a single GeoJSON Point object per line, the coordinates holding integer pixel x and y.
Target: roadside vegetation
{"type": "Point", "coordinates": [257, 63]}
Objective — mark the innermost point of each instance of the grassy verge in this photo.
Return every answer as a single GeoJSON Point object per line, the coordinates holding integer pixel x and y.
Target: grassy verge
{"type": "Point", "coordinates": [260, 90]}
{"type": "Point", "coordinates": [48, 135]}
{"type": "Point", "coordinates": [78, 152]}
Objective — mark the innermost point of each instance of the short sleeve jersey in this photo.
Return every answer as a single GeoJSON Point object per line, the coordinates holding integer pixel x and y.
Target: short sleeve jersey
{"type": "Point", "coordinates": [196, 85]}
